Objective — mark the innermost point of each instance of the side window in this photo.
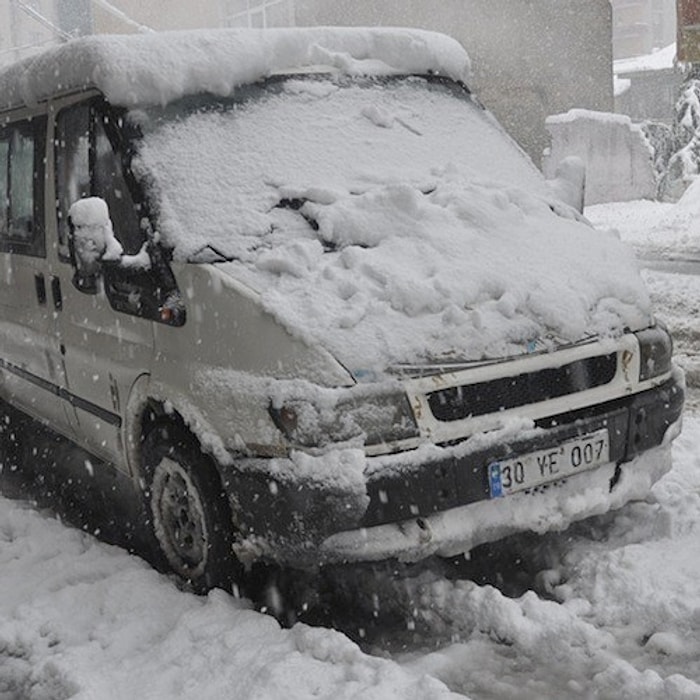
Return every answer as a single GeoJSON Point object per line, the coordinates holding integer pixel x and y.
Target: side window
{"type": "Point", "coordinates": [22, 173]}
{"type": "Point", "coordinates": [87, 165]}
{"type": "Point", "coordinates": [110, 184]}
{"type": "Point", "coordinates": [72, 165]}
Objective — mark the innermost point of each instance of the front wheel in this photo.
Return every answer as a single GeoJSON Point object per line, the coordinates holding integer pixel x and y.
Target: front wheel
{"type": "Point", "coordinates": [191, 517]}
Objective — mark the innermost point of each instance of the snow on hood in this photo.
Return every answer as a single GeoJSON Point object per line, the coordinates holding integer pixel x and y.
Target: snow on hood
{"type": "Point", "coordinates": [160, 67]}
{"type": "Point", "coordinates": [391, 221]}
{"type": "Point", "coordinates": [466, 272]}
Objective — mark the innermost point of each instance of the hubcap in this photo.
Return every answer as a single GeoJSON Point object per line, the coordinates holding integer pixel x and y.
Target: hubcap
{"type": "Point", "coordinates": [179, 519]}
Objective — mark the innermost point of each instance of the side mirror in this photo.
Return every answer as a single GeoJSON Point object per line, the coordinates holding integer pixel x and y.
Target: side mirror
{"type": "Point", "coordinates": [91, 241]}
{"type": "Point", "coordinates": [569, 183]}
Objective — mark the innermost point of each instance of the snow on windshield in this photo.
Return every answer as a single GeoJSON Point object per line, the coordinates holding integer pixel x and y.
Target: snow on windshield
{"type": "Point", "coordinates": [383, 217]}
{"type": "Point", "coordinates": [219, 175]}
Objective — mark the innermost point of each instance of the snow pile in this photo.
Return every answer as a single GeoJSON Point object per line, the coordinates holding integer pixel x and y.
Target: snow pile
{"type": "Point", "coordinates": [94, 240]}
{"type": "Point", "coordinates": [389, 222]}
{"type": "Point", "coordinates": [158, 68]}
{"type": "Point", "coordinates": [569, 182]}
{"type": "Point", "coordinates": [84, 620]}
{"type": "Point", "coordinates": [667, 238]}
{"type": "Point", "coordinates": [621, 85]}
{"type": "Point", "coordinates": [617, 617]}
{"type": "Point", "coordinates": [655, 229]}
{"type": "Point", "coordinates": [93, 235]}
{"type": "Point", "coordinates": [622, 619]}
{"type": "Point", "coordinates": [658, 60]}
{"type": "Point", "coordinates": [604, 117]}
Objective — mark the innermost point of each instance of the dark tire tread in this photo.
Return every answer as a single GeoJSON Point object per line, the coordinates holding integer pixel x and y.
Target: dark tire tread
{"type": "Point", "coordinates": [168, 439]}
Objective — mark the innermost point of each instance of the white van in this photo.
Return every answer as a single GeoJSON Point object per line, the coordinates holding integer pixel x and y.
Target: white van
{"type": "Point", "coordinates": [305, 293]}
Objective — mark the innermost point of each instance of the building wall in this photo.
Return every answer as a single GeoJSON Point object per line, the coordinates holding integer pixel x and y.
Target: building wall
{"type": "Point", "coordinates": [531, 59]}
{"type": "Point", "coordinates": [157, 14]}
{"type": "Point", "coordinates": [651, 95]}
{"type": "Point", "coordinates": [20, 34]}
{"type": "Point", "coordinates": [641, 26]}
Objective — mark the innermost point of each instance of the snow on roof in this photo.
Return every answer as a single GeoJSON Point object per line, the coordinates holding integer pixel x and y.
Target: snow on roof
{"type": "Point", "coordinates": [158, 68]}
{"type": "Point", "coordinates": [658, 60]}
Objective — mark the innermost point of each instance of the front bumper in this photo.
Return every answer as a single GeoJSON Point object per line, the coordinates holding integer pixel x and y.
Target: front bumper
{"type": "Point", "coordinates": [411, 506]}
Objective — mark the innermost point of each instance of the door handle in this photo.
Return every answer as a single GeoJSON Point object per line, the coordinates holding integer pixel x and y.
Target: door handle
{"type": "Point", "coordinates": [56, 293]}
{"type": "Point", "coordinates": [40, 286]}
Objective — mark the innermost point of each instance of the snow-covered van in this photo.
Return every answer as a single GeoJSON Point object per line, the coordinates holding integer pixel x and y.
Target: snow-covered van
{"type": "Point", "coordinates": [306, 294]}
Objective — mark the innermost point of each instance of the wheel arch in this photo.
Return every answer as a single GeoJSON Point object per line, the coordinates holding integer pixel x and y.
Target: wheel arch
{"type": "Point", "coordinates": [185, 497]}
{"type": "Point", "coordinates": [147, 405]}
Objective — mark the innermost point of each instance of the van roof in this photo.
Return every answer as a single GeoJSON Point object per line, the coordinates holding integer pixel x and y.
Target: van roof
{"type": "Point", "coordinates": [156, 68]}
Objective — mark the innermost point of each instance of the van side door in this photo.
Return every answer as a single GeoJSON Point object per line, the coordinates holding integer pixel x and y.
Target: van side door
{"type": "Point", "coordinates": [106, 341]}
{"type": "Point", "coordinates": [31, 371]}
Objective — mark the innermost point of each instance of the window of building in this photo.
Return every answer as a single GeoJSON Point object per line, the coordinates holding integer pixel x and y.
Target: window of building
{"type": "Point", "coordinates": [259, 13]}
{"type": "Point", "coordinates": [75, 16]}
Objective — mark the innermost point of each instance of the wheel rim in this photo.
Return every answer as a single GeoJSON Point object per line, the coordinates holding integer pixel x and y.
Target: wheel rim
{"type": "Point", "coordinates": [179, 520]}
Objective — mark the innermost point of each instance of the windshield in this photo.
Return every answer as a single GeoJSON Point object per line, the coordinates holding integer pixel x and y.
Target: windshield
{"type": "Point", "coordinates": [218, 171]}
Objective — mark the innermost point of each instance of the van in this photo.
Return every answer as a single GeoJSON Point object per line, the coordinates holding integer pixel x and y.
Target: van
{"type": "Point", "coordinates": [301, 290]}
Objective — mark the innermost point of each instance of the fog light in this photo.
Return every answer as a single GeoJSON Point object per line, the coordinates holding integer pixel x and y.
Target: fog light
{"type": "Point", "coordinates": [286, 420]}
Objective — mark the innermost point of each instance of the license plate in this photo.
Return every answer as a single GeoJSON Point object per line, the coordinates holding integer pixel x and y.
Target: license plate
{"type": "Point", "coordinates": [544, 466]}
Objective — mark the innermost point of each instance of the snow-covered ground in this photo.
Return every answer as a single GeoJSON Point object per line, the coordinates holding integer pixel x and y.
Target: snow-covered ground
{"type": "Point", "coordinates": [666, 238]}
{"type": "Point", "coordinates": [611, 608]}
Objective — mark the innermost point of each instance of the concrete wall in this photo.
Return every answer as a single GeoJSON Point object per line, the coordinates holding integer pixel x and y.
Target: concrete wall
{"type": "Point", "coordinates": [532, 58]}
{"type": "Point", "coordinates": [652, 94]}
{"type": "Point", "coordinates": [617, 156]}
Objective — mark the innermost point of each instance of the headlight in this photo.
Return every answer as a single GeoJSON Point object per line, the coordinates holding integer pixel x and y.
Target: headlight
{"type": "Point", "coordinates": [655, 351]}
{"type": "Point", "coordinates": [373, 418]}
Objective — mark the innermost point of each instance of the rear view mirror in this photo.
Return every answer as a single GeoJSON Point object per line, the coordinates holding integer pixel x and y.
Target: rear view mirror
{"type": "Point", "coordinates": [569, 183]}
{"type": "Point", "coordinates": [91, 241]}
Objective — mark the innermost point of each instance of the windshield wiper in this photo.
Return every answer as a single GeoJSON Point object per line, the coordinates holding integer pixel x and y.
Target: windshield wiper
{"type": "Point", "coordinates": [215, 256]}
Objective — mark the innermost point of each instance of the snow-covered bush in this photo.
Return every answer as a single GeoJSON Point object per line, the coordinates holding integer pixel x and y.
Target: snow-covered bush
{"type": "Point", "coordinates": [684, 165]}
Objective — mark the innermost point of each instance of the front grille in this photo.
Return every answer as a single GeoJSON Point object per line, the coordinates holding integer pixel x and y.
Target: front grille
{"type": "Point", "coordinates": [457, 403]}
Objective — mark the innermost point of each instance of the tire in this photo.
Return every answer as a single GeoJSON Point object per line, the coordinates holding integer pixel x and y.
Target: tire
{"type": "Point", "coordinates": [190, 514]}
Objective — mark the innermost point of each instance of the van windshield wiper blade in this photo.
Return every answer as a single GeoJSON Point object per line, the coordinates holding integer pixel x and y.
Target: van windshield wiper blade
{"type": "Point", "coordinates": [215, 253]}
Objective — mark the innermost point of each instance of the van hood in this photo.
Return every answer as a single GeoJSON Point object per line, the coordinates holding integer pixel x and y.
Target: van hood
{"type": "Point", "coordinates": [461, 273]}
